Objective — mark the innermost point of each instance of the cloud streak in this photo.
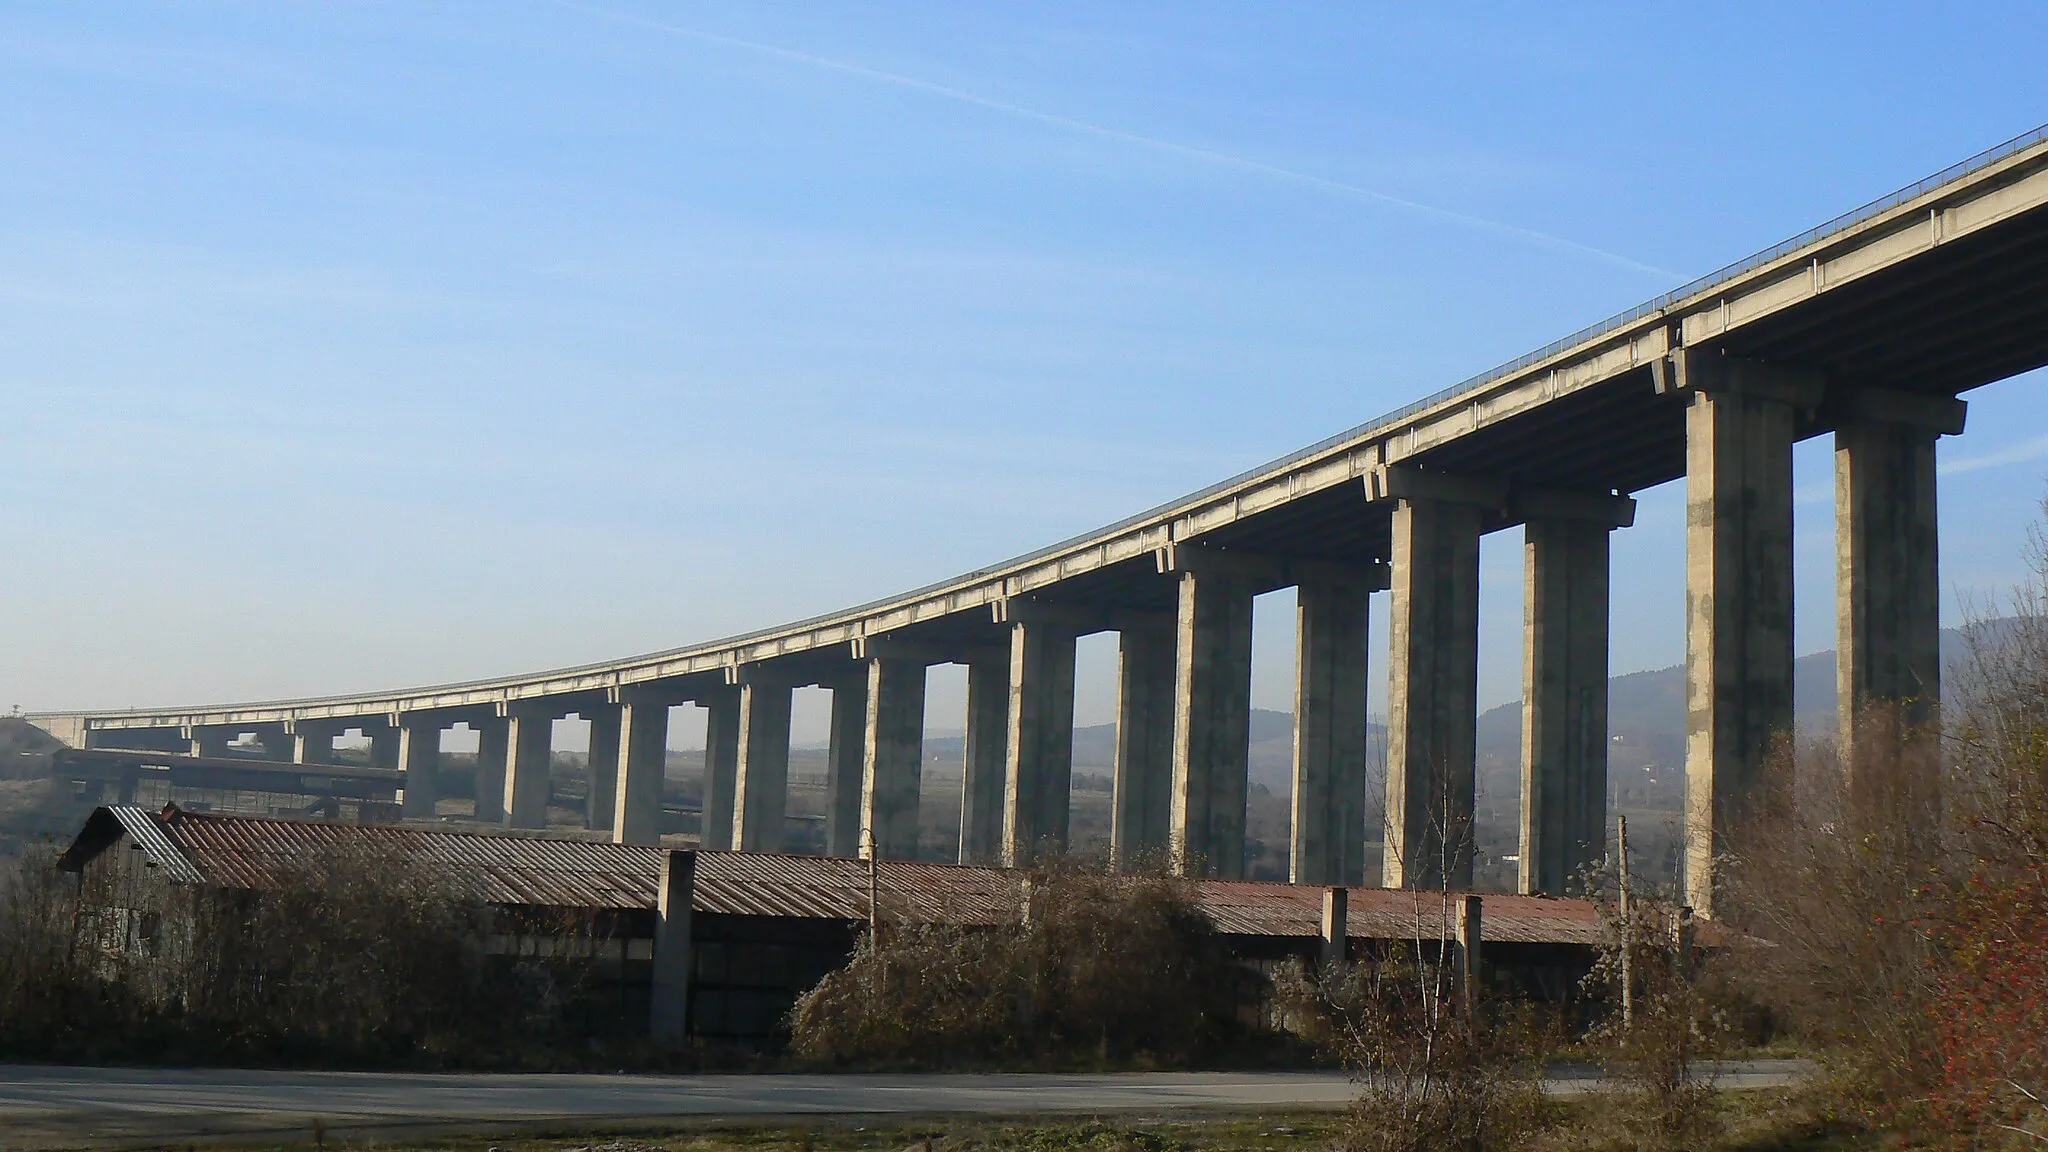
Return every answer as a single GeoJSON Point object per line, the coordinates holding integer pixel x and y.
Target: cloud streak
{"type": "Point", "coordinates": [1150, 143]}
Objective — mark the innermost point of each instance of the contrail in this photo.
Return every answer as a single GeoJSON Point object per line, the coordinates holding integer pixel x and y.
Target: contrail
{"type": "Point", "coordinates": [1154, 143]}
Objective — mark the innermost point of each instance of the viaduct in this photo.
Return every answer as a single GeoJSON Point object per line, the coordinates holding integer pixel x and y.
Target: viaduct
{"type": "Point", "coordinates": [1867, 327]}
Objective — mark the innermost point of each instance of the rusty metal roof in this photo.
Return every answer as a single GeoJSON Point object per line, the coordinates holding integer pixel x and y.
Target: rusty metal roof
{"type": "Point", "coordinates": [257, 852]}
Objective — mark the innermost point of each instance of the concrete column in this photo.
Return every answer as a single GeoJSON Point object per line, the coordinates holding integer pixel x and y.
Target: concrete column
{"type": "Point", "coordinates": [1141, 806]}
{"type": "Point", "coordinates": [721, 766]}
{"type": "Point", "coordinates": [1336, 929]}
{"type": "Point", "coordinates": [1564, 702]}
{"type": "Point", "coordinates": [1038, 762]}
{"type": "Point", "coordinates": [383, 745]}
{"type": "Point", "coordinates": [1327, 845]}
{"type": "Point", "coordinates": [669, 1002]}
{"type": "Point", "coordinates": [1887, 565]}
{"type": "Point", "coordinates": [892, 768]}
{"type": "Point", "coordinates": [1738, 613]}
{"type": "Point", "coordinates": [601, 767]}
{"type": "Point", "coordinates": [278, 744]}
{"type": "Point", "coordinates": [1212, 711]}
{"type": "Point", "coordinates": [1432, 694]}
{"type": "Point", "coordinates": [639, 766]}
{"type": "Point", "coordinates": [760, 795]}
{"type": "Point", "coordinates": [419, 754]}
{"type": "Point", "coordinates": [844, 760]}
{"type": "Point", "coordinates": [211, 741]}
{"type": "Point", "coordinates": [985, 768]}
{"type": "Point", "coordinates": [312, 744]}
{"type": "Point", "coordinates": [492, 748]}
{"type": "Point", "coordinates": [527, 778]}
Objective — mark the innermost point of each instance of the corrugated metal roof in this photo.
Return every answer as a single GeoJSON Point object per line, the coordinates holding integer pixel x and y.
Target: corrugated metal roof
{"type": "Point", "coordinates": [255, 852]}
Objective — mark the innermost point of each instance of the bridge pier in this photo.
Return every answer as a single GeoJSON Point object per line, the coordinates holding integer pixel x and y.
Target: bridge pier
{"type": "Point", "coordinates": [210, 741]}
{"type": "Point", "coordinates": [419, 754]}
{"type": "Point", "coordinates": [601, 766]}
{"type": "Point", "coordinates": [1887, 546]}
{"type": "Point", "coordinates": [844, 759]}
{"type": "Point", "coordinates": [1327, 832]}
{"type": "Point", "coordinates": [383, 743]}
{"type": "Point", "coordinates": [893, 754]}
{"type": "Point", "coordinates": [1211, 721]}
{"type": "Point", "coordinates": [313, 742]}
{"type": "Point", "coordinates": [1039, 760]}
{"type": "Point", "coordinates": [530, 737]}
{"type": "Point", "coordinates": [1564, 699]}
{"type": "Point", "coordinates": [721, 767]}
{"type": "Point", "coordinates": [1433, 677]}
{"type": "Point", "coordinates": [1739, 430]}
{"type": "Point", "coordinates": [761, 783]}
{"type": "Point", "coordinates": [492, 748]}
{"type": "Point", "coordinates": [985, 760]}
{"type": "Point", "coordinates": [639, 766]}
{"type": "Point", "coordinates": [1141, 804]}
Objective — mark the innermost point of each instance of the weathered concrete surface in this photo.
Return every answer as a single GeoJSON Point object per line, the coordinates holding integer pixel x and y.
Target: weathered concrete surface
{"type": "Point", "coordinates": [1141, 804]}
{"type": "Point", "coordinates": [1738, 613]}
{"type": "Point", "coordinates": [641, 758]}
{"type": "Point", "coordinates": [601, 766]}
{"type": "Point", "coordinates": [1212, 713]}
{"type": "Point", "coordinates": [761, 785]}
{"type": "Point", "coordinates": [721, 766]}
{"type": "Point", "coordinates": [419, 754]}
{"type": "Point", "coordinates": [893, 767]}
{"type": "Point", "coordinates": [1327, 844]}
{"type": "Point", "coordinates": [492, 751]}
{"type": "Point", "coordinates": [530, 736]}
{"type": "Point", "coordinates": [845, 757]}
{"type": "Point", "coordinates": [1564, 701]}
{"type": "Point", "coordinates": [985, 760]}
{"type": "Point", "coordinates": [1038, 765]}
{"type": "Point", "coordinates": [1432, 694]}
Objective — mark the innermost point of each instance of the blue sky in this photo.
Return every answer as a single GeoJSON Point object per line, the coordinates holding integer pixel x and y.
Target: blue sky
{"type": "Point", "coordinates": [350, 346]}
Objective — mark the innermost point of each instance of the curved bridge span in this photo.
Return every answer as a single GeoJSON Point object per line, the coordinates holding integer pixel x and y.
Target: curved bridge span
{"type": "Point", "coordinates": [1868, 328]}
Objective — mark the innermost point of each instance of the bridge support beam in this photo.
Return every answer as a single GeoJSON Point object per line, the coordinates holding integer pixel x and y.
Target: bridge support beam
{"type": "Point", "coordinates": [601, 766]}
{"type": "Point", "coordinates": [721, 767]}
{"type": "Point", "coordinates": [844, 760]}
{"type": "Point", "coordinates": [1038, 764]}
{"type": "Point", "coordinates": [419, 754]}
{"type": "Point", "coordinates": [383, 744]}
{"type": "Point", "coordinates": [639, 765]}
{"type": "Point", "coordinates": [985, 761]}
{"type": "Point", "coordinates": [211, 741]}
{"type": "Point", "coordinates": [312, 743]}
{"type": "Point", "coordinates": [1327, 844]}
{"type": "Point", "coordinates": [278, 744]}
{"type": "Point", "coordinates": [1887, 545]}
{"type": "Point", "coordinates": [528, 780]}
{"type": "Point", "coordinates": [1141, 822]}
{"type": "Point", "coordinates": [1564, 701]}
{"type": "Point", "coordinates": [893, 754]}
{"type": "Point", "coordinates": [1432, 701]}
{"type": "Point", "coordinates": [1211, 723]}
{"type": "Point", "coordinates": [760, 795]}
{"type": "Point", "coordinates": [1739, 429]}
{"type": "Point", "coordinates": [492, 748]}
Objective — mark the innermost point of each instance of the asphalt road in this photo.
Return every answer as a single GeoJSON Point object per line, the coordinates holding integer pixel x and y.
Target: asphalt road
{"type": "Point", "coordinates": [45, 1107]}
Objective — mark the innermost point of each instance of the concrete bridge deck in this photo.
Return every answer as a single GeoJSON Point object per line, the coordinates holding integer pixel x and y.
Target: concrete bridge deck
{"type": "Point", "coordinates": [1868, 327]}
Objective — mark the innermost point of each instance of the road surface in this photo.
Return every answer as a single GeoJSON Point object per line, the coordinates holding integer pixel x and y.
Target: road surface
{"type": "Point", "coordinates": [50, 1107]}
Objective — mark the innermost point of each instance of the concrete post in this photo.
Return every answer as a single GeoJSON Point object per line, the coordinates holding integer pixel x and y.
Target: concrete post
{"type": "Point", "coordinates": [1432, 694]}
{"type": "Point", "coordinates": [844, 760]}
{"type": "Point", "coordinates": [669, 1007]}
{"type": "Point", "coordinates": [721, 766]}
{"type": "Point", "coordinates": [1336, 929]}
{"type": "Point", "coordinates": [1327, 845]}
{"type": "Point", "coordinates": [1888, 572]}
{"type": "Point", "coordinates": [1212, 695]}
{"type": "Point", "coordinates": [639, 766]}
{"type": "Point", "coordinates": [1738, 612]}
{"type": "Point", "coordinates": [419, 754]}
{"type": "Point", "coordinates": [601, 767]}
{"type": "Point", "coordinates": [760, 795]}
{"type": "Point", "coordinates": [1564, 702]}
{"type": "Point", "coordinates": [492, 746]}
{"type": "Point", "coordinates": [1038, 764]}
{"type": "Point", "coordinates": [985, 767]}
{"type": "Point", "coordinates": [530, 736]}
{"type": "Point", "coordinates": [892, 767]}
{"type": "Point", "coordinates": [1141, 807]}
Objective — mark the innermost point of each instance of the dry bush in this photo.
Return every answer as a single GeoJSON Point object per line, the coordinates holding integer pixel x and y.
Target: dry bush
{"type": "Point", "coordinates": [1094, 968]}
